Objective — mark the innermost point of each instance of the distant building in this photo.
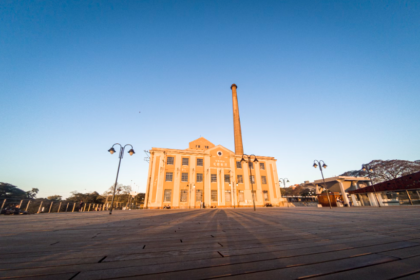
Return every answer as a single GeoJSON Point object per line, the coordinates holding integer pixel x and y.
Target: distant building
{"type": "Point", "coordinates": [339, 185]}
{"type": "Point", "coordinates": [401, 191]}
{"type": "Point", "coordinates": [294, 186]}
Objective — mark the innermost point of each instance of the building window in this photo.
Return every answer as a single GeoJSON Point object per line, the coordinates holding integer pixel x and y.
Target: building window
{"type": "Point", "coordinates": [199, 162]}
{"type": "Point", "coordinates": [167, 196]}
{"type": "Point", "coordinates": [198, 195]}
{"type": "Point", "coordinates": [169, 176]}
{"type": "Point", "coordinates": [265, 195]}
{"type": "Point", "coordinates": [214, 178]}
{"type": "Point", "coordinates": [206, 147]}
{"type": "Point", "coordinates": [199, 177]}
{"type": "Point", "coordinates": [240, 179]}
{"type": "Point", "coordinates": [251, 165]}
{"type": "Point", "coordinates": [170, 160]}
{"type": "Point", "coordinates": [184, 177]}
{"type": "Point", "coordinates": [184, 195]}
{"type": "Point", "coordinates": [185, 161]}
{"type": "Point", "coordinates": [263, 179]}
{"type": "Point", "coordinates": [214, 196]}
{"type": "Point", "coordinates": [227, 178]}
{"type": "Point", "coordinates": [252, 179]}
{"type": "Point", "coordinates": [241, 196]}
{"type": "Point", "coordinates": [227, 196]}
{"type": "Point", "coordinates": [262, 166]}
{"type": "Point", "coordinates": [238, 164]}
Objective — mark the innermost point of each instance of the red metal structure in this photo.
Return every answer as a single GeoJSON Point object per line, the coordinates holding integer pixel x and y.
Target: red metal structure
{"type": "Point", "coordinates": [407, 182]}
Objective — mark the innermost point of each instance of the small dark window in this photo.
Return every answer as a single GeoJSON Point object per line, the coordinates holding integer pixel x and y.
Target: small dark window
{"type": "Point", "coordinates": [170, 160]}
{"type": "Point", "coordinates": [184, 195]}
{"type": "Point", "coordinates": [199, 177]}
{"type": "Point", "coordinates": [227, 178]}
{"type": "Point", "coordinates": [167, 196]}
{"type": "Point", "coordinates": [213, 195]}
{"type": "Point", "coordinates": [199, 162]}
{"type": "Point", "coordinates": [214, 178]}
{"type": "Point", "coordinates": [185, 161]}
{"type": "Point", "coordinates": [263, 179]}
{"type": "Point", "coordinates": [238, 164]}
{"type": "Point", "coordinates": [240, 180]}
{"type": "Point", "coordinates": [184, 177]}
{"type": "Point", "coordinates": [265, 195]}
{"type": "Point", "coordinates": [251, 178]}
{"type": "Point", "coordinates": [198, 195]}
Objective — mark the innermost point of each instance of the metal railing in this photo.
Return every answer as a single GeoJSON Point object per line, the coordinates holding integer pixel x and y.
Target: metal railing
{"type": "Point", "coordinates": [10, 206]}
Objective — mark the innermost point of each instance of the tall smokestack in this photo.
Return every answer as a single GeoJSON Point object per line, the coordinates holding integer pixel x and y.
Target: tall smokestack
{"type": "Point", "coordinates": [239, 149]}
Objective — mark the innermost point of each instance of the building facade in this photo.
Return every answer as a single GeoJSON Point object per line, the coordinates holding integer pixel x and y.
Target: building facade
{"type": "Point", "coordinates": [339, 185]}
{"type": "Point", "coordinates": [206, 175]}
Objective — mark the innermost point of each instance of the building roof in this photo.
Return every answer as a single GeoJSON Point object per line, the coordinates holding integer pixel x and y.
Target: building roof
{"type": "Point", "coordinates": [342, 178]}
{"type": "Point", "coordinates": [337, 178]}
{"type": "Point", "coordinates": [411, 181]}
{"type": "Point", "coordinates": [202, 146]}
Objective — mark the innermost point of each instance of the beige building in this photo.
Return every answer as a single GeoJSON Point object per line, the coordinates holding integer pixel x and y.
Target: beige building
{"type": "Point", "coordinates": [209, 174]}
{"type": "Point", "coordinates": [205, 175]}
{"type": "Point", "coordinates": [339, 184]}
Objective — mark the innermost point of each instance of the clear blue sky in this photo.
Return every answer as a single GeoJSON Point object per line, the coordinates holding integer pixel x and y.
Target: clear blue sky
{"type": "Point", "coordinates": [331, 80]}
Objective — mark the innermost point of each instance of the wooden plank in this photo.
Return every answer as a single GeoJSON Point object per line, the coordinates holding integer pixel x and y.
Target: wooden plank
{"type": "Point", "coordinates": [209, 243]}
{"type": "Point", "coordinates": [391, 270]}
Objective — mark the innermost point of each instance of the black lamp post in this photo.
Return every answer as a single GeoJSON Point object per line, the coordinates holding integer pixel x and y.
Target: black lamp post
{"type": "Point", "coordinates": [366, 167]}
{"type": "Point", "coordinates": [250, 171]}
{"type": "Point", "coordinates": [284, 182]}
{"type": "Point", "coordinates": [324, 166]}
{"type": "Point", "coordinates": [112, 150]}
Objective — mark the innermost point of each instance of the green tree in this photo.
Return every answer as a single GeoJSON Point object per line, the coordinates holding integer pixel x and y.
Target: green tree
{"type": "Point", "coordinates": [92, 197]}
{"type": "Point", "coordinates": [121, 189]}
{"type": "Point", "coordinates": [55, 197]}
{"type": "Point", "coordinates": [11, 191]}
{"type": "Point", "coordinates": [32, 193]}
{"type": "Point", "coordinates": [286, 191]}
{"type": "Point", "coordinates": [307, 192]}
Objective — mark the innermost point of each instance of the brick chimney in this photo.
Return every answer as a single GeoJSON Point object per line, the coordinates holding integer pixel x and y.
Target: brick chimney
{"type": "Point", "coordinates": [239, 149]}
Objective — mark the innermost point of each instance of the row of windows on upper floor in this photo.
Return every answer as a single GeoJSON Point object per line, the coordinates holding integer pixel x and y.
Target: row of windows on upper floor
{"type": "Point", "coordinates": [198, 146]}
{"type": "Point", "coordinates": [199, 179]}
{"type": "Point", "coordinates": [185, 161]}
{"type": "Point", "coordinates": [186, 195]}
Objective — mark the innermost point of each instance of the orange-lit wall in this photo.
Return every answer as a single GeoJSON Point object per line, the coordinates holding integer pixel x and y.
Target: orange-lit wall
{"type": "Point", "coordinates": [216, 160]}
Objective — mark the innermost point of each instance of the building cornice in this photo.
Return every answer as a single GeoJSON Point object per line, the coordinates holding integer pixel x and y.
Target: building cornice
{"type": "Point", "coordinates": [187, 152]}
{"type": "Point", "coordinates": [204, 152]}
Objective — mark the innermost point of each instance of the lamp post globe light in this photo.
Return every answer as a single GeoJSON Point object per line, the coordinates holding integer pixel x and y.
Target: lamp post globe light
{"type": "Point", "coordinates": [366, 167]}
{"type": "Point", "coordinates": [317, 163]}
{"type": "Point", "coordinates": [250, 162]}
{"type": "Point", "coordinates": [112, 151]}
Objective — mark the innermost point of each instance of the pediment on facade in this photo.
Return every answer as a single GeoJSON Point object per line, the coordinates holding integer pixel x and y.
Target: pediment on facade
{"type": "Point", "coordinates": [200, 144]}
{"type": "Point", "coordinates": [217, 148]}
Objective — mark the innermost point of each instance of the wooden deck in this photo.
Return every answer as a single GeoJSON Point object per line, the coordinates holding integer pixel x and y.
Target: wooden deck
{"type": "Point", "coordinates": [271, 243]}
